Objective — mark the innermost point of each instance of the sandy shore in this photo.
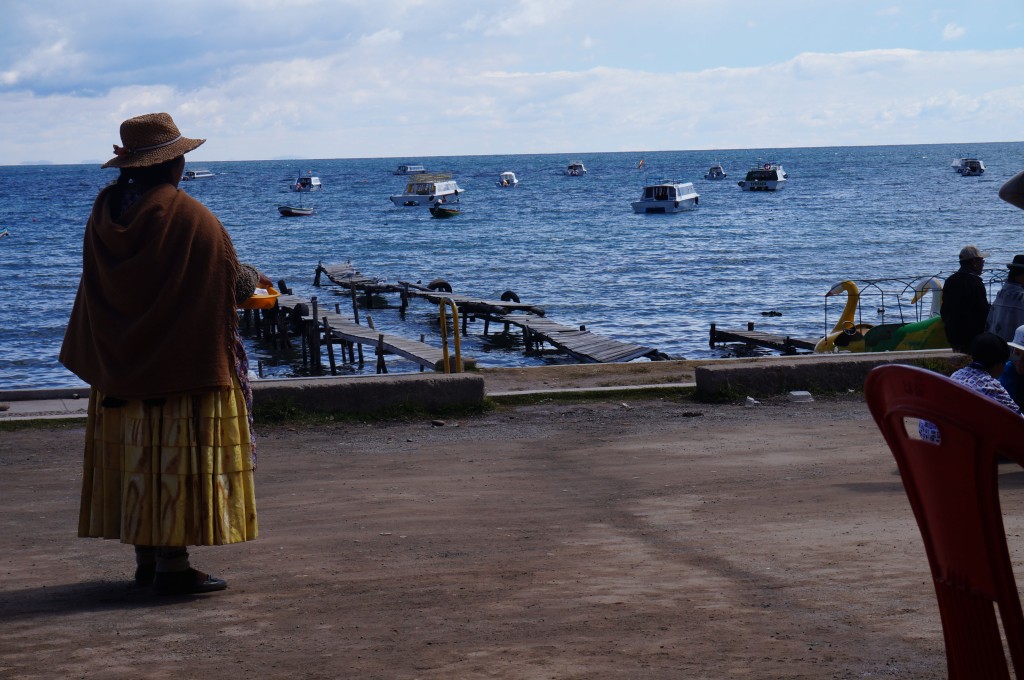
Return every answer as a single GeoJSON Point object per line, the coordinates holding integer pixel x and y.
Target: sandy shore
{"type": "Point", "coordinates": [639, 539]}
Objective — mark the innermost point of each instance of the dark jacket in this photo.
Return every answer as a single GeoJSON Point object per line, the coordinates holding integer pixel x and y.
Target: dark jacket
{"type": "Point", "coordinates": [964, 308]}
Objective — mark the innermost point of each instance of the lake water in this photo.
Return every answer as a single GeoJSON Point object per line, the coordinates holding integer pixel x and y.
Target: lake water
{"type": "Point", "coordinates": [571, 245]}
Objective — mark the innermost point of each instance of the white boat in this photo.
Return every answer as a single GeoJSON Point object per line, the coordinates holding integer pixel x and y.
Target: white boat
{"type": "Point", "coordinates": [716, 172]}
{"type": "Point", "coordinates": [428, 189]}
{"type": "Point", "coordinates": [969, 167]}
{"type": "Point", "coordinates": [307, 182]}
{"type": "Point", "coordinates": [191, 175]}
{"type": "Point", "coordinates": [575, 169]}
{"type": "Point", "coordinates": [507, 180]}
{"type": "Point", "coordinates": [767, 177]}
{"type": "Point", "coordinates": [410, 170]}
{"type": "Point", "coordinates": [667, 197]}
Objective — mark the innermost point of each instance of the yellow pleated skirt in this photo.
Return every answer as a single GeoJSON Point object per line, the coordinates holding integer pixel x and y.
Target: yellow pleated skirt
{"type": "Point", "coordinates": [171, 474]}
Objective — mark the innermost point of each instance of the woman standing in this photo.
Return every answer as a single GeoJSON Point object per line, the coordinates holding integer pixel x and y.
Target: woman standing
{"type": "Point", "coordinates": [169, 458]}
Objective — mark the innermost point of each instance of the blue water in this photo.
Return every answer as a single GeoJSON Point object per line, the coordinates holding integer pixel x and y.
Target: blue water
{"type": "Point", "coordinates": [569, 244]}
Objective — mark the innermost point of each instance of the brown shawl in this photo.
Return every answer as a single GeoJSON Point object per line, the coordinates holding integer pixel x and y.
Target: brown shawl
{"type": "Point", "coordinates": [155, 308]}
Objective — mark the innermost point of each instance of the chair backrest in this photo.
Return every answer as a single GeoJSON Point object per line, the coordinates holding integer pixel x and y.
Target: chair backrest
{"type": "Point", "coordinates": [953, 489]}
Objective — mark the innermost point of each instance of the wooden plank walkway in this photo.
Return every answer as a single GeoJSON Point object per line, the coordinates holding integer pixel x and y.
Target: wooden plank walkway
{"type": "Point", "coordinates": [348, 277]}
{"type": "Point", "coordinates": [470, 304]}
{"type": "Point", "coordinates": [784, 344]}
{"type": "Point", "coordinates": [341, 329]}
{"type": "Point", "coordinates": [579, 343]}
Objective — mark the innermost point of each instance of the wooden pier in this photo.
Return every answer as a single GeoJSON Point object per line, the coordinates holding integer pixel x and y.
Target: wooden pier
{"type": "Point", "coordinates": [317, 328]}
{"type": "Point", "coordinates": [577, 342]}
{"type": "Point", "coordinates": [784, 344]}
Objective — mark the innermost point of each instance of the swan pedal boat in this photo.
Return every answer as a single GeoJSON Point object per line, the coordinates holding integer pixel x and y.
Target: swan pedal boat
{"type": "Point", "coordinates": [929, 333]}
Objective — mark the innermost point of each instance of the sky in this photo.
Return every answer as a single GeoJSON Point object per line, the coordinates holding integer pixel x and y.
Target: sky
{"type": "Point", "coordinates": [410, 79]}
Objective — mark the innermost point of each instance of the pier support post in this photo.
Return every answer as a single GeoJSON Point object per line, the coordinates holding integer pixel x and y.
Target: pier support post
{"type": "Point", "coordinates": [330, 346]}
{"type": "Point", "coordinates": [381, 366]}
{"type": "Point", "coordinates": [711, 340]}
{"type": "Point", "coordinates": [314, 338]}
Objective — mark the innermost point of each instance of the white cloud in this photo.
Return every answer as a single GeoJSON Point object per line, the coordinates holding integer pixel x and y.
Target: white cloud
{"type": "Point", "coordinates": [343, 79]}
{"type": "Point", "coordinates": [953, 31]}
{"type": "Point", "coordinates": [529, 15]}
{"type": "Point", "coordinates": [382, 38]}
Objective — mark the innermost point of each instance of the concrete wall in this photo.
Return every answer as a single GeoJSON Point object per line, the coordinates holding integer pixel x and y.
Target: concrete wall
{"type": "Point", "coordinates": [367, 394]}
{"type": "Point", "coordinates": [810, 372]}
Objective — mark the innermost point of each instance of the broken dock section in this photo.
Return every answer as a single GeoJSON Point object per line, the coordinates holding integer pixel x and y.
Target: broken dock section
{"type": "Point", "coordinates": [784, 344]}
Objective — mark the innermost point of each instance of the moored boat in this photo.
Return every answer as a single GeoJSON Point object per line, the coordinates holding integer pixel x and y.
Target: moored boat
{"type": "Point", "coordinates": [575, 169]}
{"type": "Point", "coordinates": [716, 172]}
{"type": "Point", "coordinates": [969, 167]}
{"type": "Point", "coordinates": [410, 170]}
{"type": "Point", "coordinates": [426, 189]}
{"type": "Point", "coordinates": [307, 182]}
{"type": "Point", "coordinates": [192, 175]}
{"type": "Point", "coordinates": [508, 180]}
{"type": "Point", "coordinates": [850, 334]}
{"type": "Point", "coordinates": [767, 177]}
{"type": "Point", "coordinates": [294, 211]}
{"type": "Point", "coordinates": [445, 210]}
{"type": "Point", "coordinates": [667, 197]}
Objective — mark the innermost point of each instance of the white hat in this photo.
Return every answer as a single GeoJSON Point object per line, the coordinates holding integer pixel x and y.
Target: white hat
{"type": "Point", "coordinates": [1018, 339]}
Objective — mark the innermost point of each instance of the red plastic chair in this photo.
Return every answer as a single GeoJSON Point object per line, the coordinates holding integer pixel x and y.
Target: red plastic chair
{"type": "Point", "coordinates": [953, 489]}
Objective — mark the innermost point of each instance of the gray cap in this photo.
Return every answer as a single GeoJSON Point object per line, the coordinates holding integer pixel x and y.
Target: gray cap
{"type": "Point", "coordinates": [971, 253]}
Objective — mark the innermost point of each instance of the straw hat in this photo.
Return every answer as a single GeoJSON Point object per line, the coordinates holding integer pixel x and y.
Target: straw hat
{"type": "Point", "coordinates": [148, 140]}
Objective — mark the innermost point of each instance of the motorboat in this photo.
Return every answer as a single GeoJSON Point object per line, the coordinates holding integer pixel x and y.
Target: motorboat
{"type": "Point", "coordinates": [410, 170]}
{"type": "Point", "coordinates": [667, 197]}
{"type": "Point", "coordinates": [294, 211]}
{"type": "Point", "coordinates": [969, 167]}
{"type": "Point", "coordinates": [307, 182]}
{"type": "Point", "coordinates": [192, 175]}
{"type": "Point", "coordinates": [767, 177]}
{"type": "Point", "coordinates": [575, 169]}
{"type": "Point", "coordinates": [716, 172]}
{"type": "Point", "coordinates": [427, 189]}
{"type": "Point", "coordinates": [507, 180]}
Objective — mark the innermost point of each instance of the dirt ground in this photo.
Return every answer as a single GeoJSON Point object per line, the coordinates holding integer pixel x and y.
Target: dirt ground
{"type": "Point", "coordinates": [638, 539]}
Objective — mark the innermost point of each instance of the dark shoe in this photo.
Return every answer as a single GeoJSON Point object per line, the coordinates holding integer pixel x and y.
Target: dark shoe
{"type": "Point", "coordinates": [188, 582]}
{"type": "Point", "coordinates": [144, 574]}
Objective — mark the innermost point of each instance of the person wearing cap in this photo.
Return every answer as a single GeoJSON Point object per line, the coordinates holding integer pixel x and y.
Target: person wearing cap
{"type": "Point", "coordinates": [1007, 311]}
{"type": "Point", "coordinates": [1012, 378]}
{"type": "Point", "coordinates": [989, 353]}
{"type": "Point", "coordinates": [964, 301]}
{"type": "Point", "coordinates": [169, 455]}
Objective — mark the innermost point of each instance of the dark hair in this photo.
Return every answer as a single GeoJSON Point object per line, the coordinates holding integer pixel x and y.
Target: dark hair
{"type": "Point", "coordinates": [149, 176]}
{"type": "Point", "coordinates": [989, 349]}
